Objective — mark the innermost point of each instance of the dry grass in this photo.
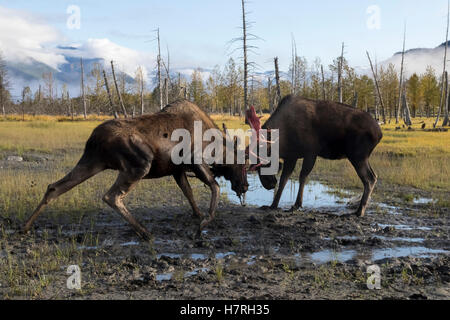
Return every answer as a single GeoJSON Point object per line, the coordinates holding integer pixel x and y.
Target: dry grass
{"type": "Point", "coordinates": [404, 158]}
{"type": "Point", "coordinates": [409, 158]}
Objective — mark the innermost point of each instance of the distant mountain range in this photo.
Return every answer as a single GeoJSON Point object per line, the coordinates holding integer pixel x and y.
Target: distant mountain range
{"type": "Point", "coordinates": [30, 73]}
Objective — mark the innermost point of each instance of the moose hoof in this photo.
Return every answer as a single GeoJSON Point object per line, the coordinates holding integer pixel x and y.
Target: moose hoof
{"type": "Point", "coordinates": [24, 231]}
{"type": "Point", "coordinates": [359, 214]}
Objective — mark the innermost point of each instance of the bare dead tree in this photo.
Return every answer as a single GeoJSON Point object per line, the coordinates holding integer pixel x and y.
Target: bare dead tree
{"type": "Point", "coordinates": [70, 105]}
{"type": "Point", "coordinates": [166, 68]}
{"type": "Point", "coordinates": [246, 48]}
{"type": "Point", "coordinates": [142, 97]}
{"type": "Point", "coordinates": [244, 42]}
{"type": "Point", "coordinates": [400, 89]}
{"type": "Point", "coordinates": [166, 91]}
{"type": "Point", "coordinates": [168, 65]}
{"type": "Point", "coordinates": [159, 71]}
{"type": "Point", "coordinates": [111, 104]}
{"type": "Point", "coordinates": [444, 89]}
{"type": "Point", "coordinates": [355, 100]}
{"type": "Point", "coordinates": [380, 97]}
{"type": "Point", "coordinates": [446, 121]}
{"type": "Point", "coordinates": [340, 71]}
{"type": "Point", "coordinates": [83, 95]}
{"type": "Point", "coordinates": [407, 113]}
{"type": "Point", "coordinates": [277, 81]}
{"type": "Point", "coordinates": [125, 114]}
{"type": "Point", "coordinates": [269, 94]}
{"type": "Point", "coordinates": [4, 84]}
{"type": "Point", "coordinates": [179, 84]}
{"type": "Point", "coordinates": [294, 66]}
{"type": "Point", "coordinates": [25, 92]}
{"type": "Point", "coordinates": [323, 83]}
{"type": "Point", "coordinates": [2, 95]}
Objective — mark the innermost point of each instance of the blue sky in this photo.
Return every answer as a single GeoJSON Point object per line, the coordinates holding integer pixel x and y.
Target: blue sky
{"type": "Point", "coordinates": [197, 31]}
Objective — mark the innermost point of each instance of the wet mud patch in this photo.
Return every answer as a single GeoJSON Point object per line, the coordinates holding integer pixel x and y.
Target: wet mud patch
{"type": "Point", "coordinates": [245, 253]}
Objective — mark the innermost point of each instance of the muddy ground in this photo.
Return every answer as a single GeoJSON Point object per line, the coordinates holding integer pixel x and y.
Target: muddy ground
{"type": "Point", "coordinates": [245, 254]}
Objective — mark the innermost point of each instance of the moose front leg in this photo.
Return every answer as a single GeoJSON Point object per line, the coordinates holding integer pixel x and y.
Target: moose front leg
{"type": "Point", "coordinates": [288, 168]}
{"type": "Point", "coordinates": [183, 183]}
{"type": "Point", "coordinates": [206, 176]}
{"type": "Point", "coordinates": [308, 165]}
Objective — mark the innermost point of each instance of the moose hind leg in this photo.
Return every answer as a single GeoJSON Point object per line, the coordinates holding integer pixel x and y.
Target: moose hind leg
{"type": "Point", "coordinates": [78, 175]}
{"type": "Point", "coordinates": [368, 179]}
{"type": "Point", "coordinates": [125, 182]}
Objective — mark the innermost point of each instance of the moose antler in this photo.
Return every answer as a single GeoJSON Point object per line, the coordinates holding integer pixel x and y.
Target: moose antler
{"type": "Point", "coordinates": [255, 123]}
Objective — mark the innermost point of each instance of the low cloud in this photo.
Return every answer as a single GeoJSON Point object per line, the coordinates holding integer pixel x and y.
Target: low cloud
{"type": "Point", "coordinates": [23, 36]}
{"type": "Point", "coordinates": [125, 59]}
{"type": "Point", "coordinates": [418, 60]}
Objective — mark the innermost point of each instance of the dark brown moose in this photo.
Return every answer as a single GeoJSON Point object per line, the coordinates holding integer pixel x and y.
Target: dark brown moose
{"type": "Point", "coordinates": [309, 129]}
{"type": "Point", "coordinates": [140, 148]}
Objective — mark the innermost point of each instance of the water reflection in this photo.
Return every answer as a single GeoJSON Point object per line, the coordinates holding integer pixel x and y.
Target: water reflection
{"type": "Point", "coordinates": [315, 195]}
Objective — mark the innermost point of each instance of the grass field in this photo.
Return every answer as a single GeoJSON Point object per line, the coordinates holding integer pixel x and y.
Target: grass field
{"type": "Point", "coordinates": [405, 160]}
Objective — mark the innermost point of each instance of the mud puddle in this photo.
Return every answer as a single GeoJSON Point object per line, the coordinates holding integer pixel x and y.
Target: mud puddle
{"type": "Point", "coordinates": [316, 194]}
{"type": "Point", "coordinates": [374, 256]}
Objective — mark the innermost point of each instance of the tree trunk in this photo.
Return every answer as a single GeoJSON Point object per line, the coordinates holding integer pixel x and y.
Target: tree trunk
{"type": "Point", "coordinates": [378, 89]}
{"type": "Point", "coordinates": [323, 84]}
{"type": "Point", "coordinates": [159, 74]}
{"type": "Point", "coordinates": [407, 117]}
{"type": "Point", "coordinates": [277, 81]}
{"type": "Point", "coordinates": [142, 95]}
{"type": "Point", "coordinates": [355, 100]}
{"type": "Point", "coordinates": [118, 91]}
{"type": "Point", "coordinates": [244, 40]}
{"type": "Point", "coordinates": [341, 66]}
{"type": "Point", "coordinates": [82, 90]}
{"type": "Point", "coordinates": [111, 104]}
{"type": "Point", "coordinates": [442, 103]}
{"type": "Point", "coordinates": [447, 111]}
{"type": "Point", "coordinates": [166, 91]}
{"type": "Point", "coordinates": [400, 89]}
{"type": "Point", "coordinates": [444, 74]}
{"type": "Point", "coordinates": [269, 94]}
{"type": "Point", "coordinates": [294, 66]}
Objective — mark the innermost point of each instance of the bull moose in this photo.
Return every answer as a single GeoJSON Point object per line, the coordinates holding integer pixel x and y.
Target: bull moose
{"type": "Point", "coordinates": [309, 129]}
{"type": "Point", "coordinates": [140, 148]}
